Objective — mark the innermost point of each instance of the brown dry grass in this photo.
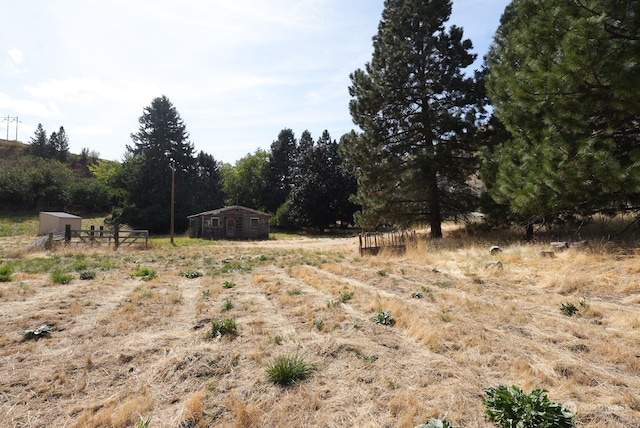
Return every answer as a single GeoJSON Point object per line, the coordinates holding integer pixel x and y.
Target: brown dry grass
{"type": "Point", "coordinates": [123, 348]}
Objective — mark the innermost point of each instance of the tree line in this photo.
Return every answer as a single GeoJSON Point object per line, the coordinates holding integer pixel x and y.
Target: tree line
{"type": "Point", "coordinates": [546, 129]}
{"type": "Point", "coordinates": [303, 183]}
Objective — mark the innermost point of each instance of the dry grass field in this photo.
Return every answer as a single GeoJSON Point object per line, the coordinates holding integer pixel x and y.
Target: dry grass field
{"type": "Point", "coordinates": [124, 350]}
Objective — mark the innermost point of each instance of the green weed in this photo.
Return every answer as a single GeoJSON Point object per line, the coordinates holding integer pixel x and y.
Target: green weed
{"type": "Point", "coordinates": [569, 309]}
{"type": "Point", "coordinates": [227, 305]}
{"type": "Point", "coordinates": [6, 273]}
{"type": "Point", "coordinates": [87, 274]}
{"type": "Point", "coordinates": [223, 327]}
{"type": "Point", "coordinates": [286, 371]}
{"type": "Point", "coordinates": [191, 274]}
{"type": "Point", "coordinates": [145, 274]}
{"type": "Point", "coordinates": [228, 284]}
{"type": "Point", "coordinates": [509, 406]}
{"type": "Point", "coordinates": [384, 318]}
{"type": "Point", "coordinates": [61, 277]}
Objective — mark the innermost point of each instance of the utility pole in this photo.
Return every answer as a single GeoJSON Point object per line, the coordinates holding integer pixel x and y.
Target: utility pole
{"type": "Point", "coordinates": [173, 198]}
{"type": "Point", "coordinates": [17, 122]}
{"type": "Point", "coordinates": [10, 119]}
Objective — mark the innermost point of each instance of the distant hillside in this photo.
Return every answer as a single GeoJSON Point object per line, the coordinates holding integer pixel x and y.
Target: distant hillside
{"type": "Point", "coordinates": [10, 150]}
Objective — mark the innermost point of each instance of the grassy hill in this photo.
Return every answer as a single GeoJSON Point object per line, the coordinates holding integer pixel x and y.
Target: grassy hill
{"type": "Point", "coordinates": [11, 150]}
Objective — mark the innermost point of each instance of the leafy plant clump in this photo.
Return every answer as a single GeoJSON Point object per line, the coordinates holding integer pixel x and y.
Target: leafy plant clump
{"type": "Point", "coordinates": [191, 274]}
{"type": "Point", "coordinates": [145, 274]}
{"type": "Point", "coordinates": [87, 275]}
{"type": "Point", "coordinates": [384, 318]}
{"type": "Point", "coordinates": [6, 273]}
{"type": "Point", "coordinates": [286, 371]}
{"type": "Point", "coordinates": [60, 277]}
{"type": "Point", "coordinates": [436, 423]}
{"type": "Point", "coordinates": [509, 406]}
{"type": "Point", "coordinates": [37, 333]}
{"type": "Point", "coordinates": [227, 305]}
{"type": "Point", "coordinates": [345, 296]}
{"type": "Point", "coordinates": [228, 284]}
{"type": "Point", "coordinates": [223, 327]}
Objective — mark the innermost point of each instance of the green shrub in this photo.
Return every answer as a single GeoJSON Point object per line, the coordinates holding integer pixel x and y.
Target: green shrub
{"type": "Point", "coordinates": [345, 296]}
{"type": "Point", "coordinates": [61, 277]}
{"type": "Point", "coordinates": [510, 407]}
{"type": "Point", "coordinates": [384, 318]}
{"type": "Point", "coordinates": [6, 273]}
{"type": "Point", "coordinates": [145, 274]}
{"type": "Point", "coordinates": [287, 371]}
{"type": "Point", "coordinates": [87, 274]}
{"type": "Point", "coordinates": [223, 327]}
{"type": "Point", "coordinates": [228, 284]}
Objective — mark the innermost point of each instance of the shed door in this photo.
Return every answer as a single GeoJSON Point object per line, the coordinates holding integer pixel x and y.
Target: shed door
{"type": "Point", "coordinates": [231, 227]}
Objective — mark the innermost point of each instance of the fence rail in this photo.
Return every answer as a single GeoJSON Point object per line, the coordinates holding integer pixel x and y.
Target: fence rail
{"type": "Point", "coordinates": [101, 236]}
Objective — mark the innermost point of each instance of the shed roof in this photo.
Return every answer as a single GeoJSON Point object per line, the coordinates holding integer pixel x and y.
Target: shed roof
{"type": "Point", "coordinates": [230, 208]}
{"type": "Point", "coordinates": [60, 214]}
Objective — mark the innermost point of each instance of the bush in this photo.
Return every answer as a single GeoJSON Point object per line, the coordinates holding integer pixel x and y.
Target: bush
{"type": "Point", "coordinates": [6, 273]}
{"type": "Point", "coordinates": [287, 371]}
{"type": "Point", "coordinates": [87, 274]}
{"type": "Point", "coordinates": [509, 406]}
{"type": "Point", "coordinates": [61, 277]}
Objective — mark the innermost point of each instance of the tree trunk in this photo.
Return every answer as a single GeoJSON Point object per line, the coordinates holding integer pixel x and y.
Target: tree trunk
{"type": "Point", "coordinates": [435, 220]}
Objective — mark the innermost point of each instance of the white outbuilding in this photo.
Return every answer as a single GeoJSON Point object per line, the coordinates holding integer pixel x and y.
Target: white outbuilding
{"type": "Point", "coordinates": [55, 222]}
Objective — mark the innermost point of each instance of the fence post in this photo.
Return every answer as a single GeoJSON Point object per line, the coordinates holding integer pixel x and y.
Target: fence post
{"type": "Point", "coordinates": [116, 235]}
{"type": "Point", "coordinates": [49, 244]}
{"type": "Point", "coordinates": [67, 233]}
{"type": "Point", "coordinates": [92, 233]}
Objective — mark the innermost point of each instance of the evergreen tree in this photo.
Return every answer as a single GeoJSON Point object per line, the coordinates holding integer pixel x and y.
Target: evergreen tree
{"type": "Point", "coordinates": [208, 192]}
{"type": "Point", "coordinates": [418, 112]}
{"type": "Point", "coordinates": [61, 145]}
{"type": "Point", "coordinates": [160, 145]}
{"type": "Point", "coordinates": [321, 187]}
{"type": "Point", "coordinates": [39, 142]}
{"type": "Point", "coordinates": [281, 163]}
{"type": "Point", "coordinates": [563, 80]}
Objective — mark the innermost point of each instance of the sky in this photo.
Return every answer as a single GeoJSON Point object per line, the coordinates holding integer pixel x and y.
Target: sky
{"type": "Point", "coordinates": [238, 72]}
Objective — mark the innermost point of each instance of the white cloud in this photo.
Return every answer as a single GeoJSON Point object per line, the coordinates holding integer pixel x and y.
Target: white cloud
{"type": "Point", "coordinates": [29, 107]}
{"type": "Point", "coordinates": [91, 91]}
{"type": "Point", "coordinates": [14, 64]}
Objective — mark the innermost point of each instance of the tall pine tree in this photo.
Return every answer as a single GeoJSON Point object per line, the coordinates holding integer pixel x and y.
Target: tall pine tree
{"type": "Point", "coordinates": [281, 163]}
{"type": "Point", "coordinates": [417, 111]}
{"type": "Point", "coordinates": [39, 143]}
{"type": "Point", "coordinates": [563, 80]}
{"type": "Point", "coordinates": [161, 143]}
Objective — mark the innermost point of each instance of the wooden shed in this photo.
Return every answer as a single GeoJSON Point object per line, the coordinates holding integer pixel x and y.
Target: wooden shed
{"type": "Point", "coordinates": [234, 222]}
{"type": "Point", "coordinates": [55, 222]}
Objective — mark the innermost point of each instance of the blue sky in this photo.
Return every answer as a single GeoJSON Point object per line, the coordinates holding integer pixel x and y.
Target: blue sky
{"type": "Point", "coordinates": [237, 71]}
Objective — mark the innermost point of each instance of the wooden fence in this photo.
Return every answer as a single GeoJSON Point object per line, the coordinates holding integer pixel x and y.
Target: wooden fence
{"type": "Point", "coordinates": [101, 236]}
{"type": "Point", "coordinates": [396, 242]}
